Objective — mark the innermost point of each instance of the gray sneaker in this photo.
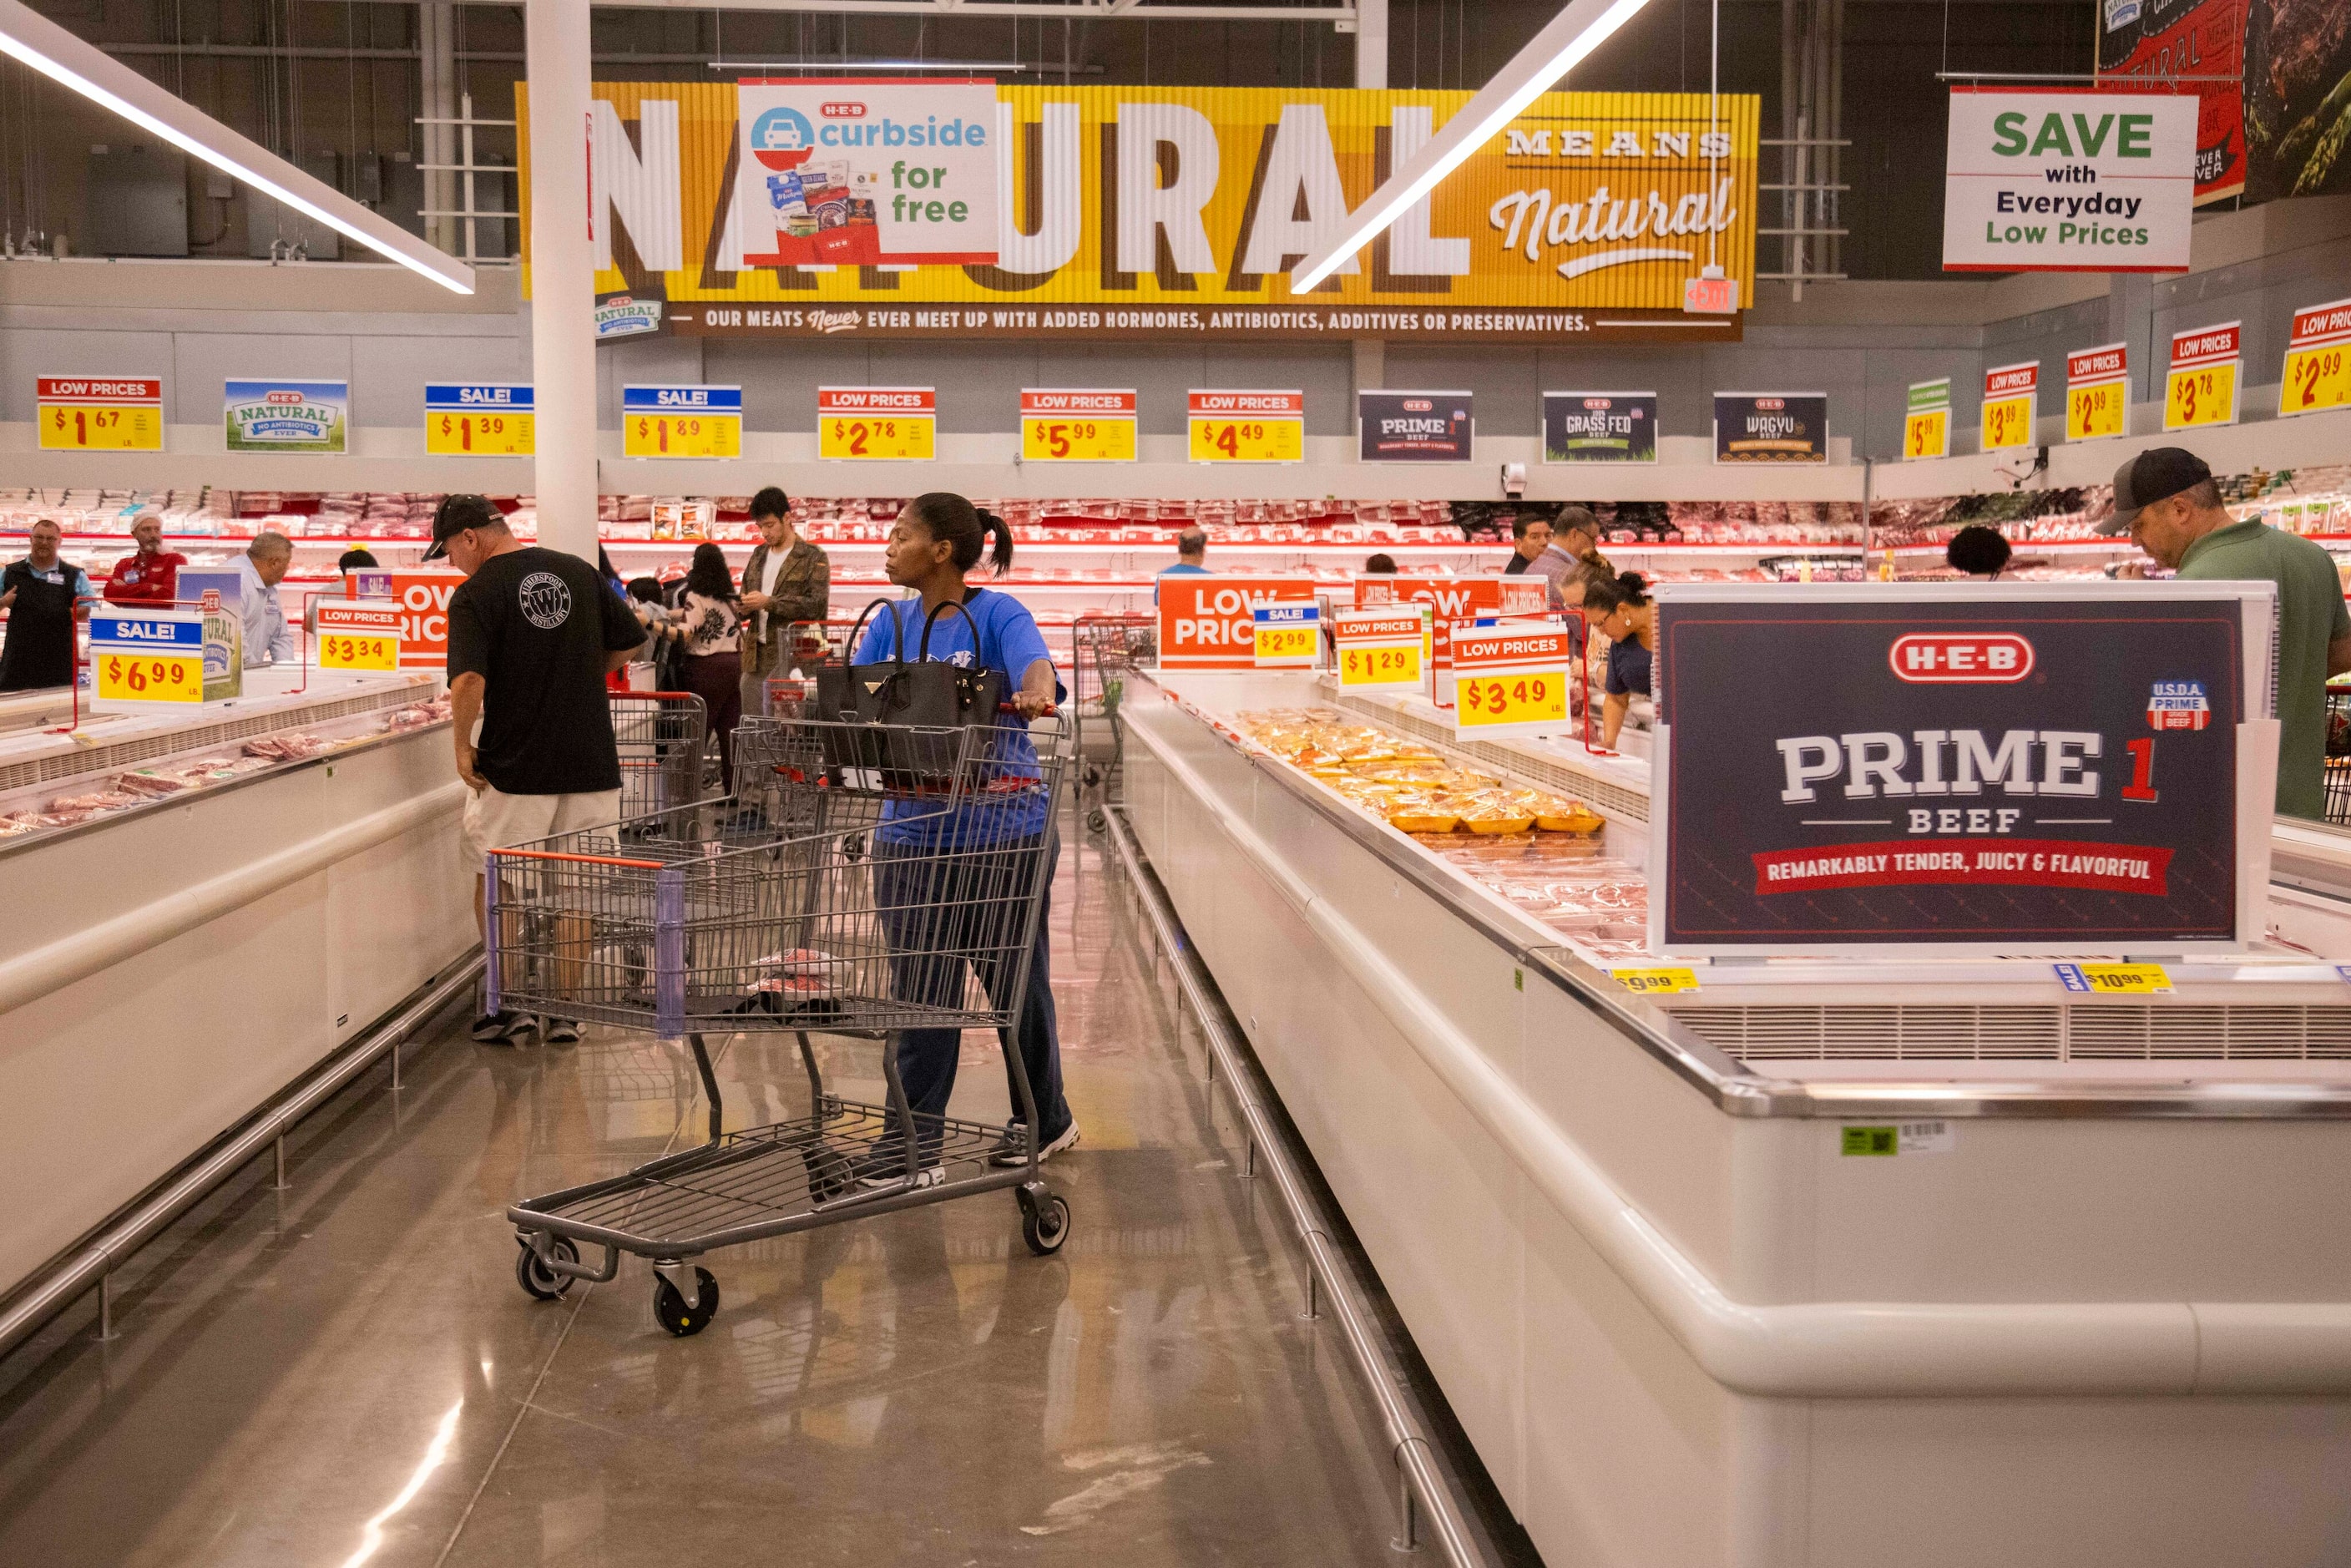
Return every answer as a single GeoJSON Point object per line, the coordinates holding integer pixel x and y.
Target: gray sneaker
{"type": "Point", "coordinates": [1012, 1149]}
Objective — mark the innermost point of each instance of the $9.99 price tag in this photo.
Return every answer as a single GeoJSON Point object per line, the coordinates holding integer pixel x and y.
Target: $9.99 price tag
{"type": "Point", "coordinates": [150, 677]}
{"type": "Point", "coordinates": [1656, 982]}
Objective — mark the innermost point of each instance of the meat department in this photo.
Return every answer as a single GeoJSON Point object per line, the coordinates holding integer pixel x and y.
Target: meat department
{"type": "Point", "coordinates": [1749, 973]}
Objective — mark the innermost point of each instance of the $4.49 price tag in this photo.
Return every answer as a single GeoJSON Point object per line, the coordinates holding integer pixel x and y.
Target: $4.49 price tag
{"type": "Point", "coordinates": [150, 677]}
{"type": "Point", "coordinates": [1247, 427]}
{"type": "Point", "coordinates": [2116, 979]}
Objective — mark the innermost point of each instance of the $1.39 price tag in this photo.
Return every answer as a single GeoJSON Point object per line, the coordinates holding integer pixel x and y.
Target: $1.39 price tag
{"type": "Point", "coordinates": [1288, 636]}
{"type": "Point", "coordinates": [2116, 979]}
{"type": "Point", "coordinates": [151, 676]}
{"type": "Point", "coordinates": [479, 420]}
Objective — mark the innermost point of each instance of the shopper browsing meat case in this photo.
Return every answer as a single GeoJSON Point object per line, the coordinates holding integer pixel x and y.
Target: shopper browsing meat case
{"type": "Point", "coordinates": [150, 574]}
{"type": "Point", "coordinates": [532, 634]}
{"type": "Point", "coordinates": [1619, 609]}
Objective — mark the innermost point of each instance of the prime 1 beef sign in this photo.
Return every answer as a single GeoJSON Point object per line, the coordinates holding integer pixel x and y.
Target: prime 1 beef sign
{"type": "Point", "coordinates": [2028, 767]}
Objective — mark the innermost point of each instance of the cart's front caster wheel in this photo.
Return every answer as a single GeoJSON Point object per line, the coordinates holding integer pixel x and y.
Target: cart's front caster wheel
{"type": "Point", "coordinates": [670, 1309]}
{"type": "Point", "coordinates": [1045, 1229]}
{"type": "Point", "coordinates": [1097, 819]}
{"type": "Point", "coordinates": [829, 1172]}
{"type": "Point", "coordinates": [538, 1281]}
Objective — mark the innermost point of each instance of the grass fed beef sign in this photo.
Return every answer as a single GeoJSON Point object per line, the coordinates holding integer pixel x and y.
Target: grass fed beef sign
{"type": "Point", "coordinates": [2036, 767]}
{"type": "Point", "coordinates": [2068, 181]}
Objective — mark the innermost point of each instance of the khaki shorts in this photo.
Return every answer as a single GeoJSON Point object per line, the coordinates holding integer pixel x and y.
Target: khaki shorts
{"type": "Point", "coordinates": [495, 820]}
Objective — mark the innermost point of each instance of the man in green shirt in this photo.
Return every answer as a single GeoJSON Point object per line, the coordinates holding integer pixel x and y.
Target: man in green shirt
{"type": "Point", "coordinates": [2165, 498]}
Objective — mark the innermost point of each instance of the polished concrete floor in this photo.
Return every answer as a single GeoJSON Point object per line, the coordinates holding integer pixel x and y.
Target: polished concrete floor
{"type": "Point", "coordinates": [345, 1372]}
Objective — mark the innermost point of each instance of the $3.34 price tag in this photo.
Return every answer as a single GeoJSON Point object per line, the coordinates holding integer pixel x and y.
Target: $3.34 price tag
{"type": "Point", "coordinates": [369, 651]}
{"type": "Point", "coordinates": [1656, 982]}
{"type": "Point", "coordinates": [2114, 979]}
{"type": "Point", "coordinates": [156, 677]}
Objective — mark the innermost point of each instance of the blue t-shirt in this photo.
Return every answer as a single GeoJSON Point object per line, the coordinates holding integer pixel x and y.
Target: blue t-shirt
{"type": "Point", "coordinates": [1008, 641]}
{"type": "Point", "coordinates": [1628, 668]}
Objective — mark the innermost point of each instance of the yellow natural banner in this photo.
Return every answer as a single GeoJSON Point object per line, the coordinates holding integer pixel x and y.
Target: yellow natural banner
{"type": "Point", "coordinates": [1135, 211]}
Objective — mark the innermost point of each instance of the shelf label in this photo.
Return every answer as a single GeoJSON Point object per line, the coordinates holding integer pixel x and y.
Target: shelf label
{"type": "Point", "coordinates": [1381, 647]}
{"type": "Point", "coordinates": [1651, 981]}
{"type": "Point", "coordinates": [877, 424]}
{"type": "Point", "coordinates": [1511, 681]}
{"type": "Point", "coordinates": [2201, 389]}
{"type": "Point", "coordinates": [1901, 1138]}
{"type": "Point", "coordinates": [1926, 422]}
{"type": "Point", "coordinates": [2317, 361]}
{"type": "Point", "coordinates": [2116, 979]}
{"type": "Point", "coordinates": [479, 420]}
{"type": "Point", "coordinates": [359, 635]}
{"type": "Point", "coordinates": [680, 422]}
{"type": "Point", "coordinates": [2012, 396]}
{"type": "Point", "coordinates": [2098, 391]}
{"type": "Point", "coordinates": [1077, 424]}
{"type": "Point", "coordinates": [1288, 636]}
{"type": "Point", "coordinates": [1247, 427]}
{"type": "Point", "coordinates": [149, 656]}
{"type": "Point", "coordinates": [92, 413]}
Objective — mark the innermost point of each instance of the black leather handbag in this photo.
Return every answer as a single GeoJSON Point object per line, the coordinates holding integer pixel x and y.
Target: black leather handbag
{"type": "Point", "coordinates": [923, 693]}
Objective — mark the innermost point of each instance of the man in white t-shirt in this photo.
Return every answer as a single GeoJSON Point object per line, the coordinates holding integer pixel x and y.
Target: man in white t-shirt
{"type": "Point", "coordinates": [787, 581]}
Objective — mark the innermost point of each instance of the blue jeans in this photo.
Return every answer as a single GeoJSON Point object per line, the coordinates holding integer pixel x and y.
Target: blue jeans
{"type": "Point", "coordinates": [945, 913]}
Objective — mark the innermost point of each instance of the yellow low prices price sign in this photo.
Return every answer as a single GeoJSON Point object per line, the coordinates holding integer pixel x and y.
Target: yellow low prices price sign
{"type": "Point", "coordinates": [359, 635]}
{"type": "Point", "coordinates": [680, 422]}
{"type": "Point", "coordinates": [1381, 647]}
{"type": "Point", "coordinates": [876, 424]}
{"type": "Point", "coordinates": [2201, 389]}
{"type": "Point", "coordinates": [1926, 422]}
{"type": "Point", "coordinates": [2012, 393]}
{"type": "Point", "coordinates": [1288, 636]}
{"type": "Point", "coordinates": [1077, 425]}
{"type": "Point", "coordinates": [2098, 391]}
{"type": "Point", "coordinates": [149, 656]}
{"type": "Point", "coordinates": [92, 413]}
{"type": "Point", "coordinates": [1512, 682]}
{"type": "Point", "coordinates": [1247, 427]}
{"type": "Point", "coordinates": [2317, 361]}
{"type": "Point", "coordinates": [2116, 979]}
{"type": "Point", "coordinates": [479, 420]}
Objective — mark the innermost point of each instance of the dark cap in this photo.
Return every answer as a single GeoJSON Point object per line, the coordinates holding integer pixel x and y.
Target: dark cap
{"type": "Point", "coordinates": [2155, 474]}
{"type": "Point", "coordinates": [454, 515]}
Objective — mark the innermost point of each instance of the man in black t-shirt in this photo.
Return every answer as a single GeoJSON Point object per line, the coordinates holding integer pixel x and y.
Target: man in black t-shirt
{"type": "Point", "coordinates": [532, 634]}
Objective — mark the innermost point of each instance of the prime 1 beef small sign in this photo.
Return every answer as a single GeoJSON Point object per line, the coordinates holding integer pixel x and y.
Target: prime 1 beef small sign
{"type": "Point", "coordinates": [2035, 767]}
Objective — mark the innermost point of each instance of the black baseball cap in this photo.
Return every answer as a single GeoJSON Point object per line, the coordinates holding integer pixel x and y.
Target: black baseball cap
{"type": "Point", "coordinates": [454, 515]}
{"type": "Point", "coordinates": [2155, 474]}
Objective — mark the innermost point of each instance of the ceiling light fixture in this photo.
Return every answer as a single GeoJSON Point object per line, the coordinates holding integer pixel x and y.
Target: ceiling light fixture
{"type": "Point", "coordinates": [28, 36]}
{"type": "Point", "coordinates": [1562, 46]}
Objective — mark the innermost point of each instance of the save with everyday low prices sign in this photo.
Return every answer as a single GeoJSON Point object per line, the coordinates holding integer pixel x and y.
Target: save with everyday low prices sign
{"type": "Point", "coordinates": [2317, 361]}
{"type": "Point", "coordinates": [1208, 621]}
{"type": "Point", "coordinates": [1511, 681]}
{"type": "Point", "coordinates": [1246, 426]}
{"type": "Point", "coordinates": [99, 413]}
{"type": "Point", "coordinates": [479, 419]}
{"type": "Point", "coordinates": [2010, 399]}
{"type": "Point", "coordinates": [1926, 420]}
{"type": "Point", "coordinates": [680, 422]}
{"type": "Point", "coordinates": [2065, 769]}
{"type": "Point", "coordinates": [359, 635]}
{"type": "Point", "coordinates": [421, 598]}
{"type": "Point", "coordinates": [2060, 180]}
{"type": "Point", "coordinates": [2202, 388]}
{"type": "Point", "coordinates": [877, 424]}
{"type": "Point", "coordinates": [2098, 391]}
{"type": "Point", "coordinates": [1380, 648]}
{"type": "Point", "coordinates": [1077, 424]}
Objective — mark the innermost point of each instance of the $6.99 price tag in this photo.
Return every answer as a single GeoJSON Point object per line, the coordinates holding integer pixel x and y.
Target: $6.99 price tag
{"type": "Point", "coordinates": [150, 677]}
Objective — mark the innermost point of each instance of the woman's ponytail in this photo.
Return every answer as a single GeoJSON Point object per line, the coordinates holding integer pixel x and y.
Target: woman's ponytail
{"type": "Point", "coordinates": [996, 528]}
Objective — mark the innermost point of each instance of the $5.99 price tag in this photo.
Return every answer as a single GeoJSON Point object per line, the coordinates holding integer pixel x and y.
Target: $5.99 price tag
{"type": "Point", "coordinates": [1077, 424]}
{"type": "Point", "coordinates": [1927, 434]}
{"type": "Point", "coordinates": [2114, 979]}
{"type": "Point", "coordinates": [150, 677]}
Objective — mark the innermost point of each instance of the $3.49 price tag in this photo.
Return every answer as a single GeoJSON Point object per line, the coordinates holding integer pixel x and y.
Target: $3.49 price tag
{"type": "Point", "coordinates": [150, 677]}
{"type": "Point", "coordinates": [1511, 680]}
{"type": "Point", "coordinates": [2116, 979]}
{"type": "Point", "coordinates": [1523, 698]}
{"type": "Point", "coordinates": [1656, 982]}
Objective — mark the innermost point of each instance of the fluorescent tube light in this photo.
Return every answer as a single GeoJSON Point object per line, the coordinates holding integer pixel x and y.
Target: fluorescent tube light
{"type": "Point", "coordinates": [1562, 46]}
{"type": "Point", "coordinates": [28, 36]}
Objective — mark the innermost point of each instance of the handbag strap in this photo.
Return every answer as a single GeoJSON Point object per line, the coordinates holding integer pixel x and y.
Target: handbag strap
{"type": "Point", "coordinates": [931, 620]}
{"type": "Point", "coordinates": [897, 634]}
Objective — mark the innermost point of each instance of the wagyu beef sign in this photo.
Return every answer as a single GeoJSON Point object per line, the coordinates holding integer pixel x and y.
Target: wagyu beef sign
{"type": "Point", "coordinates": [2015, 772]}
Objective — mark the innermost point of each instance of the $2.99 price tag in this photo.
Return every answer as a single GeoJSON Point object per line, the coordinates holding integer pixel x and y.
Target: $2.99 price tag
{"type": "Point", "coordinates": [155, 677]}
{"type": "Point", "coordinates": [1288, 636]}
{"type": "Point", "coordinates": [2318, 359]}
{"type": "Point", "coordinates": [2093, 412]}
{"type": "Point", "coordinates": [2116, 979]}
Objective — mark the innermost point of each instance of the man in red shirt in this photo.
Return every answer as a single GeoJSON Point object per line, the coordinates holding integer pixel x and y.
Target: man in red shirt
{"type": "Point", "coordinates": [150, 577]}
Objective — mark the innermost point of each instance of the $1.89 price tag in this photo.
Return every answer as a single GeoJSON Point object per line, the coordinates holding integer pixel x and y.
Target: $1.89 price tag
{"type": "Point", "coordinates": [150, 677]}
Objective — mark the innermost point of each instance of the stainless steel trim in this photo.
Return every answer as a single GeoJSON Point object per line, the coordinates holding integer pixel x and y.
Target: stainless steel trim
{"type": "Point", "coordinates": [1740, 1093]}
{"type": "Point", "coordinates": [1451, 1517]}
{"type": "Point", "coordinates": [83, 1266]}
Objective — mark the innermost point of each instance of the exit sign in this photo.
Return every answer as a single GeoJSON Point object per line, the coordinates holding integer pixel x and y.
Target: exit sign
{"type": "Point", "coordinates": [1710, 295]}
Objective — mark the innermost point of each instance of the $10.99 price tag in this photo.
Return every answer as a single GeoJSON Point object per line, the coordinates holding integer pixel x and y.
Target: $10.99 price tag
{"type": "Point", "coordinates": [2116, 979]}
{"type": "Point", "coordinates": [150, 677]}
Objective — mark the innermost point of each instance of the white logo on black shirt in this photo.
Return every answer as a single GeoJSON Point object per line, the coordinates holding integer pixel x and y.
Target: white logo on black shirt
{"type": "Point", "coordinates": [545, 602]}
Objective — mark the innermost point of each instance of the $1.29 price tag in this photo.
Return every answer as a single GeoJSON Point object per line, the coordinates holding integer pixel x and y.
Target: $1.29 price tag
{"type": "Point", "coordinates": [1381, 664]}
{"type": "Point", "coordinates": [150, 677]}
{"type": "Point", "coordinates": [2116, 979]}
{"type": "Point", "coordinates": [1381, 647]}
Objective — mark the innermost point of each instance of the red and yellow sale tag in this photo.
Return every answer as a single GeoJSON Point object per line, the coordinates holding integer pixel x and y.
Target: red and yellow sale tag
{"type": "Point", "coordinates": [479, 432]}
{"type": "Point", "coordinates": [1927, 434]}
{"type": "Point", "coordinates": [1511, 681]}
{"type": "Point", "coordinates": [2317, 361]}
{"type": "Point", "coordinates": [99, 414]}
{"type": "Point", "coordinates": [2201, 389]}
{"type": "Point", "coordinates": [150, 677]}
{"type": "Point", "coordinates": [1077, 425]}
{"type": "Point", "coordinates": [2098, 391]}
{"type": "Point", "coordinates": [877, 424]}
{"type": "Point", "coordinates": [359, 636]}
{"type": "Point", "coordinates": [1247, 427]}
{"type": "Point", "coordinates": [2011, 395]}
{"type": "Point", "coordinates": [1381, 647]}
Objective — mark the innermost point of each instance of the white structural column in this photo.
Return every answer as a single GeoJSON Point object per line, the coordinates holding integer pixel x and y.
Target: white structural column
{"type": "Point", "coordinates": [1372, 43]}
{"type": "Point", "coordinates": [436, 31]}
{"type": "Point", "coordinates": [562, 276]}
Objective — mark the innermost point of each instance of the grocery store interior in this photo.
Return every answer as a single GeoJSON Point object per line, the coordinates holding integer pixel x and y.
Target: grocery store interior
{"type": "Point", "coordinates": [1426, 1035]}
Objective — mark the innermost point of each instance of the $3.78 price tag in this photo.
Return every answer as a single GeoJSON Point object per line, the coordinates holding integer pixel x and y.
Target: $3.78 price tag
{"type": "Point", "coordinates": [150, 677]}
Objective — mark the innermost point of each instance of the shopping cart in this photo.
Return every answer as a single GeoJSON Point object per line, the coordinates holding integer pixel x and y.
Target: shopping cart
{"type": "Point", "coordinates": [1105, 649]}
{"type": "Point", "coordinates": [866, 874]}
{"type": "Point", "coordinates": [2338, 755]}
{"type": "Point", "coordinates": [661, 737]}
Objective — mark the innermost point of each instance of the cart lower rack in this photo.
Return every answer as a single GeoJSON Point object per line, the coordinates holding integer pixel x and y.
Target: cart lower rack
{"type": "Point", "coordinates": [833, 896]}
